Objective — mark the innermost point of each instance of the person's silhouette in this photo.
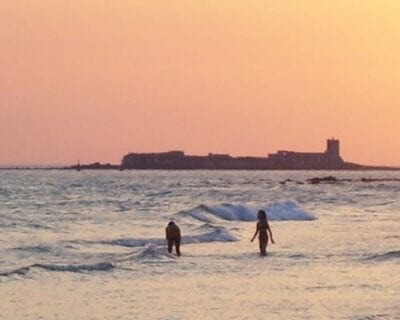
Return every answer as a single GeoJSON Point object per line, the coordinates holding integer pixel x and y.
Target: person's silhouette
{"type": "Point", "coordinates": [173, 235]}
{"type": "Point", "coordinates": [262, 228]}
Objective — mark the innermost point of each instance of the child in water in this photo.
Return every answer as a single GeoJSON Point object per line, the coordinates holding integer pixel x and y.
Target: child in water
{"type": "Point", "coordinates": [173, 235]}
{"type": "Point", "coordinates": [262, 228]}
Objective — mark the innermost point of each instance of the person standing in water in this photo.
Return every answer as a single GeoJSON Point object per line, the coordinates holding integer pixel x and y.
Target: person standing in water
{"type": "Point", "coordinates": [263, 229]}
{"type": "Point", "coordinates": [173, 235]}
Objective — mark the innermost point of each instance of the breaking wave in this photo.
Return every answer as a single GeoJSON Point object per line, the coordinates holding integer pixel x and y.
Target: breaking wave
{"type": "Point", "coordinates": [219, 234]}
{"type": "Point", "coordinates": [391, 255]}
{"type": "Point", "coordinates": [153, 252]}
{"type": "Point", "coordinates": [152, 249]}
{"type": "Point", "coordinates": [278, 211]}
{"type": "Point", "coordinates": [35, 249]}
{"type": "Point", "coordinates": [100, 266]}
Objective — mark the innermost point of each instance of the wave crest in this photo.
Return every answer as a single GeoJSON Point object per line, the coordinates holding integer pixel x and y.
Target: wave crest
{"type": "Point", "coordinates": [100, 266]}
{"type": "Point", "coordinates": [391, 255]}
{"type": "Point", "coordinates": [219, 234]}
{"type": "Point", "coordinates": [278, 211]}
{"type": "Point", "coordinates": [152, 251]}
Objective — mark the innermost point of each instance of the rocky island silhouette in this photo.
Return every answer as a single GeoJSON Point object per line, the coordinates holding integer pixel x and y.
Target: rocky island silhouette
{"type": "Point", "coordinates": [330, 159]}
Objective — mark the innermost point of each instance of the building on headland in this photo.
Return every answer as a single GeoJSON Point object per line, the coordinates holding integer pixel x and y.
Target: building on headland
{"type": "Point", "coordinates": [330, 159]}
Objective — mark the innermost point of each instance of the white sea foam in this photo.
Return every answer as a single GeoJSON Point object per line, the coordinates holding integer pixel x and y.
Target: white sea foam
{"type": "Point", "coordinates": [100, 266]}
{"type": "Point", "coordinates": [287, 210]}
{"type": "Point", "coordinates": [218, 235]}
{"type": "Point", "coordinates": [277, 211]}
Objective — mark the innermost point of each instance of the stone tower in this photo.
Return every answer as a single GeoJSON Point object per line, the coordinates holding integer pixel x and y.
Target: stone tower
{"type": "Point", "coordinates": [332, 148]}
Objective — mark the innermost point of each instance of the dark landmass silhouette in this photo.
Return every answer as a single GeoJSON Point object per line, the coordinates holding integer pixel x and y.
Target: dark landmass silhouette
{"type": "Point", "coordinates": [282, 160]}
{"type": "Point", "coordinates": [330, 159]}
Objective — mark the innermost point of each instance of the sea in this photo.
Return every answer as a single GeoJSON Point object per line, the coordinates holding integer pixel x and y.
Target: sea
{"type": "Point", "coordinates": [91, 245]}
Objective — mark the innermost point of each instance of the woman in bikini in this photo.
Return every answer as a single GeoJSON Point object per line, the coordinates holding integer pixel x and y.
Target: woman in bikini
{"type": "Point", "coordinates": [263, 229]}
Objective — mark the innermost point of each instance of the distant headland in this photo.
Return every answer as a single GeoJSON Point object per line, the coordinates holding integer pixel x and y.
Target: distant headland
{"type": "Point", "coordinates": [330, 159]}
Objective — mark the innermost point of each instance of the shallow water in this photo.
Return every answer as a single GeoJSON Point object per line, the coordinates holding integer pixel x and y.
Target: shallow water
{"type": "Point", "coordinates": [90, 245]}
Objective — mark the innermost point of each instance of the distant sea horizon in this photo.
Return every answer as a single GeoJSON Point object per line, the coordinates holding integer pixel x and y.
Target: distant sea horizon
{"type": "Point", "coordinates": [71, 167]}
{"type": "Point", "coordinates": [33, 166]}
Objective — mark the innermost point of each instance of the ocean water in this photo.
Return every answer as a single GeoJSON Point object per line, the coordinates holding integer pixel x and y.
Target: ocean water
{"type": "Point", "coordinates": [90, 245]}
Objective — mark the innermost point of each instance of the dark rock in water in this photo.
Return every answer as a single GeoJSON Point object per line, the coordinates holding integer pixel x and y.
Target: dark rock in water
{"type": "Point", "coordinates": [290, 181]}
{"type": "Point", "coordinates": [379, 180]}
{"type": "Point", "coordinates": [317, 180]}
{"type": "Point", "coordinates": [328, 180]}
{"type": "Point", "coordinates": [369, 180]}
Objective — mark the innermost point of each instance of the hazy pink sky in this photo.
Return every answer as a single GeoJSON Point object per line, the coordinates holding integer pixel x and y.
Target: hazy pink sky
{"type": "Point", "coordinates": [94, 80]}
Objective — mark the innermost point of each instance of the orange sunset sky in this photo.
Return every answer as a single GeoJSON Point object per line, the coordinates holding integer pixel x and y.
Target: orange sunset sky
{"type": "Point", "coordinates": [94, 79]}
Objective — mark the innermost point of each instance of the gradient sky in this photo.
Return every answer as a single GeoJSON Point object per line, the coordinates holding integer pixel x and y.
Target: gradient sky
{"type": "Point", "coordinates": [94, 79]}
